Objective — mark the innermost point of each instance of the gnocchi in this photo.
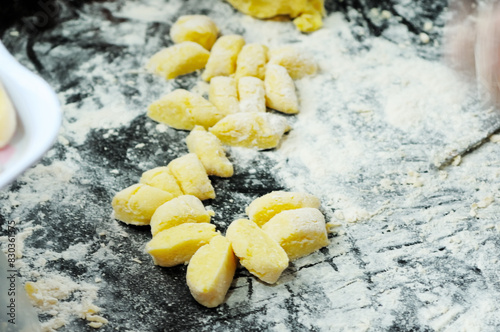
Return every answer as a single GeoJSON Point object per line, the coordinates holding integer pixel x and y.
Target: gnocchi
{"type": "Point", "coordinates": [162, 178]}
{"type": "Point", "coordinates": [257, 251]}
{"type": "Point", "coordinates": [252, 94]}
{"type": "Point", "coordinates": [222, 60]}
{"type": "Point", "coordinates": [259, 130]}
{"type": "Point", "coordinates": [210, 151]}
{"type": "Point", "coordinates": [280, 90]}
{"type": "Point", "coordinates": [252, 61]}
{"type": "Point", "coordinates": [223, 94]}
{"type": "Point", "coordinates": [192, 176]}
{"type": "Point", "coordinates": [180, 59]}
{"type": "Point", "coordinates": [298, 64]}
{"type": "Point", "coordinates": [195, 28]}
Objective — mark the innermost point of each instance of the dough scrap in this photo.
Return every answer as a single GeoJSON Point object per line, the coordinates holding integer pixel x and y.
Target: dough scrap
{"type": "Point", "coordinates": [262, 209]}
{"type": "Point", "coordinates": [192, 176]}
{"type": "Point", "coordinates": [252, 130]}
{"type": "Point", "coordinates": [299, 232]}
{"type": "Point", "coordinates": [223, 94]}
{"type": "Point", "coordinates": [136, 204]}
{"type": "Point", "coordinates": [162, 178]}
{"type": "Point", "coordinates": [252, 61]}
{"type": "Point", "coordinates": [210, 151]}
{"type": "Point", "coordinates": [8, 120]}
{"type": "Point", "coordinates": [211, 271]}
{"type": "Point", "coordinates": [195, 28]}
{"type": "Point", "coordinates": [252, 94]}
{"type": "Point", "coordinates": [180, 59]}
{"type": "Point", "coordinates": [222, 60]}
{"type": "Point", "coordinates": [258, 253]}
{"type": "Point", "coordinates": [280, 90]}
{"type": "Point", "coordinates": [182, 109]}
{"type": "Point", "coordinates": [178, 244]}
{"type": "Point", "coordinates": [179, 210]}
{"type": "Point", "coordinates": [297, 63]}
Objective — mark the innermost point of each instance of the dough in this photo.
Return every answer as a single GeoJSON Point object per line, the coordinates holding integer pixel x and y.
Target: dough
{"type": "Point", "coordinates": [252, 94]}
{"type": "Point", "coordinates": [162, 178]}
{"type": "Point", "coordinates": [299, 232]}
{"type": "Point", "coordinates": [264, 208]}
{"type": "Point", "coordinates": [196, 28]}
{"type": "Point", "coordinates": [271, 8]}
{"type": "Point", "coordinates": [182, 109]}
{"type": "Point", "coordinates": [224, 94]}
{"type": "Point", "coordinates": [8, 121]}
{"type": "Point", "coordinates": [180, 59]}
{"type": "Point", "coordinates": [211, 271]}
{"type": "Point", "coordinates": [182, 209]}
{"type": "Point", "coordinates": [222, 60]}
{"type": "Point", "coordinates": [258, 253]}
{"type": "Point", "coordinates": [280, 90]}
{"type": "Point", "coordinates": [192, 176]}
{"type": "Point", "coordinates": [297, 64]}
{"type": "Point", "coordinates": [136, 204]}
{"type": "Point", "coordinates": [252, 61]}
{"type": "Point", "coordinates": [308, 22]}
{"type": "Point", "coordinates": [210, 151]}
{"type": "Point", "coordinates": [252, 130]}
{"type": "Point", "coordinates": [178, 244]}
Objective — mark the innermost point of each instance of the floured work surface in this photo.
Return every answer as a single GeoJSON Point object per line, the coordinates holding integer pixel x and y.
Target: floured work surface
{"type": "Point", "coordinates": [416, 248]}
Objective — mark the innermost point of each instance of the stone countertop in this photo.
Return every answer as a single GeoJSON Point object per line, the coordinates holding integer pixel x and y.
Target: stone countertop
{"type": "Point", "coordinates": [416, 248]}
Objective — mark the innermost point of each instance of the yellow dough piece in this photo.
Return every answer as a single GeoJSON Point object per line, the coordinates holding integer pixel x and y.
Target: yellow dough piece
{"type": "Point", "coordinates": [224, 94]}
{"type": "Point", "coordinates": [182, 109]}
{"type": "Point", "coordinates": [296, 63]}
{"type": "Point", "coordinates": [162, 178]}
{"type": "Point", "coordinates": [264, 208]}
{"type": "Point", "coordinates": [280, 90]}
{"type": "Point", "coordinates": [299, 232]}
{"type": "Point", "coordinates": [252, 94]}
{"type": "Point", "coordinates": [180, 210]}
{"type": "Point", "coordinates": [211, 271]}
{"type": "Point", "coordinates": [251, 130]}
{"type": "Point", "coordinates": [222, 61]}
{"type": "Point", "coordinates": [308, 22]}
{"type": "Point", "coordinates": [192, 176]}
{"type": "Point", "coordinates": [136, 204]}
{"type": "Point", "coordinates": [252, 61]}
{"type": "Point", "coordinates": [210, 151]}
{"type": "Point", "coordinates": [180, 59]}
{"type": "Point", "coordinates": [258, 253]}
{"type": "Point", "coordinates": [8, 121]}
{"type": "Point", "coordinates": [271, 8]}
{"type": "Point", "coordinates": [178, 244]}
{"type": "Point", "coordinates": [195, 28]}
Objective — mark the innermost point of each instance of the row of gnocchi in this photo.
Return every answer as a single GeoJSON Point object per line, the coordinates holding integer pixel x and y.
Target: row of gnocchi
{"type": "Point", "coordinates": [244, 81]}
{"type": "Point", "coordinates": [282, 226]}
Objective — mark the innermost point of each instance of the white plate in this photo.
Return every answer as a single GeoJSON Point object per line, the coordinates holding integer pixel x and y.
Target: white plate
{"type": "Point", "coordinates": [39, 117]}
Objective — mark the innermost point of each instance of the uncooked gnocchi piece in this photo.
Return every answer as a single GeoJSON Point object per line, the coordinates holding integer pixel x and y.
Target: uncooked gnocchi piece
{"type": "Point", "coordinates": [192, 176]}
{"type": "Point", "coordinates": [252, 130]}
{"type": "Point", "coordinates": [162, 178]}
{"type": "Point", "coordinates": [222, 60]}
{"type": "Point", "coordinates": [308, 22]}
{"type": "Point", "coordinates": [252, 61]}
{"type": "Point", "coordinates": [136, 204]}
{"type": "Point", "coordinates": [299, 232]}
{"type": "Point", "coordinates": [252, 94]}
{"type": "Point", "coordinates": [178, 244]}
{"type": "Point", "coordinates": [223, 94]}
{"type": "Point", "coordinates": [258, 253]}
{"type": "Point", "coordinates": [179, 210]}
{"type": "Point", "coordinates": [280, 90]}
{"type": "Point", "coordinates": [8, 119]}
{"type": "Point", "coordinates": [265, 207]}
{"type": "Point", "coordinates": [195, 28]}
{"type": "Point", "coordinates": [180, 59]}
{"type": "Point", "coordinates": [182, 109]}
{"type": "Point", "coordinates": [210, 151]}
{"type": "Point", "coordinates": [211, 271]}
{"type": "Point", "coordinates": [297, 64]}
